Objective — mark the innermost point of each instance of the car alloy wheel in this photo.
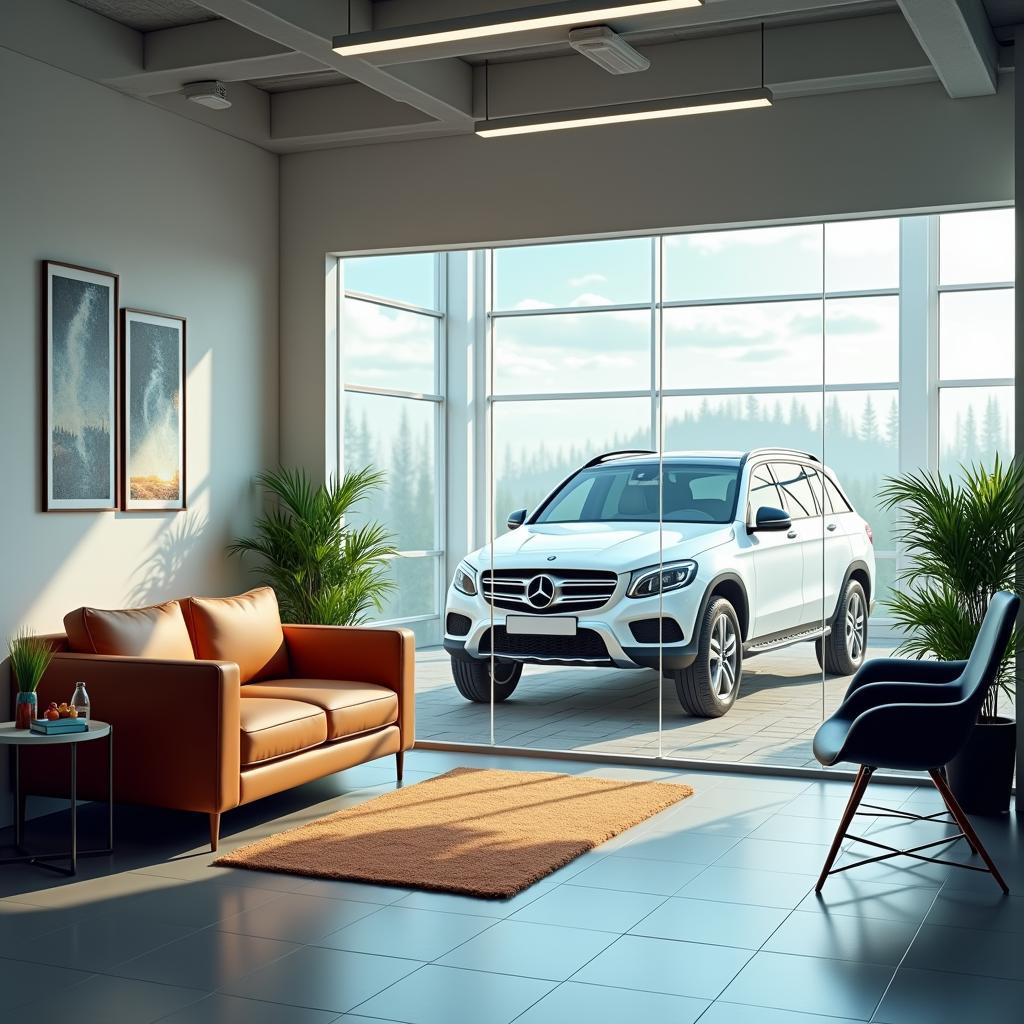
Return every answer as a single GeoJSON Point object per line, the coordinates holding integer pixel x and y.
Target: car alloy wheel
{"type": "Point", "coordinates": [722, 656]}
{"type": "Point", "coordinates": [855, 626]}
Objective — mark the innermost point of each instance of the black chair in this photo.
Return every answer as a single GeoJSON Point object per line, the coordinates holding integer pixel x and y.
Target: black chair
{"type": "Point", "coordinates": [911, 715]}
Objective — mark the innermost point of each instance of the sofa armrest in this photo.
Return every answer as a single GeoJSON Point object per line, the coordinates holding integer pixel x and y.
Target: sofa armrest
{"type": "Point", "coordinates": [176, 726]}
{"type": "Point", "coordinates": [365, 654]}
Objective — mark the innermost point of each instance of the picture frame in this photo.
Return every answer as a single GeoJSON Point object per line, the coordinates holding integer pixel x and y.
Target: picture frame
{"type": "Point", "coordinates": [80, 409]}
{"type": "Point", "coordinates": [153, 412]}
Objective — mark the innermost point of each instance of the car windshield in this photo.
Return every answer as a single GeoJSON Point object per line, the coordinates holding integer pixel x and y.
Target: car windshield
{"type": "Point", "coordinates": [695, 492]}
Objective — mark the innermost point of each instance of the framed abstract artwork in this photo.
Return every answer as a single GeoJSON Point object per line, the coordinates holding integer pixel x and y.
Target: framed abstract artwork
{"type": "Point", "coordinates": [153, 414]}
{"type": "Point", "coordinates": [80, 408]}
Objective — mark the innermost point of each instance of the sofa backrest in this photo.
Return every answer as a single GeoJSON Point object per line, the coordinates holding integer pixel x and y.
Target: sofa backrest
{"type": "Point", "coordinates": [245, 629]}
{"type": "Point", "coordinates": [157, 631]}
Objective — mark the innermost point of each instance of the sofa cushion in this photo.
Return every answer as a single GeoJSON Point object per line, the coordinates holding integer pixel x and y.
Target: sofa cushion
{"type": "Point", "coordinates": [274, 728]}
{"type": "Point", "coordinates": [157, 631]}
{"type": "Point", "coordinates": [244, 629]}
{"type": "Point", "coordinates": [351, 708]}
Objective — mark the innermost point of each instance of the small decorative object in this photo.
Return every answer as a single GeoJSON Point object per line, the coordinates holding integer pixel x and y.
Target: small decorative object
{"type": "Point", "coordinates": [80, 703]}
{"type": "Point", "coordinates": [153, 412]}
{"type": "Point", "coordinates": [80, 403]}
{"type": "Point", "coordinates": [30, 657]}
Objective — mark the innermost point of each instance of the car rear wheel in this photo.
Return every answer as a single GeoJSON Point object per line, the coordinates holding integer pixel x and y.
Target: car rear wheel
{"type": "Point", "coordinates": [473, 679]}
{"type": "Point", "coordinates": [709, 687]}
{"type": "Point", "coordinates": [841, 653]}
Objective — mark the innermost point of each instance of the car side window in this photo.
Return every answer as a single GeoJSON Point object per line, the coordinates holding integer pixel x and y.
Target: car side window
{"type": "Point", "coordinates": [762, 491]}
{"type": "Point", "coordinates": [795, 485]}
{"type": "Point", "coordinates": [837, 503]}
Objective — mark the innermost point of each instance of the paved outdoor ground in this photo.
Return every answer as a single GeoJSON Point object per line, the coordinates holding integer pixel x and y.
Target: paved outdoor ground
{"type": "Point", "coordinates": [780, 706]}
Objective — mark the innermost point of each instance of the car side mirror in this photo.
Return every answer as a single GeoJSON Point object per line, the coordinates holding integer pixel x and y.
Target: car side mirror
{"type": "Point", "coordinates": [516, 519]}
{"type": "Point", "coordinates": [770, 519]}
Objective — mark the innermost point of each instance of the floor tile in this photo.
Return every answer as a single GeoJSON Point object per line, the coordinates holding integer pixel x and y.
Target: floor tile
{"type": "Point", "coordinates": [718, 820]}
{"type": "Point", "coordinates": [720, 924]}
{"type": "Point", "coordinates": [577, 907]}
{"type": "Point", "coordinates": [205, 959]}
{"type": "Point", "coordinates": [966, 951]}
{"type": "Point", "coordinates": [991, 911]}
{"type": "Point", "coordinates": [841, 937]}
{"type": "Point", "coordinates": [663, 965]}
{"type": "Point", "coordinates": [97, 944]}
{"type": "Point", "coordinates": [407, 933]}
{"type": "Point", "coordinates": [446, 995]}
{"type": "Point", "coordinates": [685, 847]}
{"type": "Point", "coordinates": [453, 903]}
{"type": "Point", "coordinates": [360, 892]}
{"type": "Point", "coordinates": [741, 885]}
{"type": "Point", "coordinates": [791, 828]}
{"type": "Point", "coordinates": [298, 918]}
{"type": "Point", "coordinates": [530, 950]}
{"type": "Point", "coordinates": [838, 988]}
{"type": "Point", "coordinates": [322, 979]}
{"type": "Point", "coordinates": [105, 1000]}
{"type": "Point", "coordinates": [196, 905]}
{"type": "Point", "coordinates": [597, 1004]}
{"type": "Point", "coordinates": [932, 997]}
{"type": "Point", "coordinates": [222, 1009]}
{"type": "Point", "coordinates": [22, 983]}
{"type": "Point", "coordinates": [890, 901]}
{"type": "Point", "coordinates": [722, 1012]}
{"type": "Point", "coordinates": [626, 874]}
{"type": "Point", "coordinates": [775, 855]}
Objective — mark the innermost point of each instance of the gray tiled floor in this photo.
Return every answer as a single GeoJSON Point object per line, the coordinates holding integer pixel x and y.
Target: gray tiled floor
{"type": "Point", "coordinates": [703, 913]}
{"type": "Point", "coordinates": [780, 705]}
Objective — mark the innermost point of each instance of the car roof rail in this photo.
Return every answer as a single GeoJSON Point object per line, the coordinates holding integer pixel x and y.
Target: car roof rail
{"type": "Point", "coordinates": [784, 451]}
{"type": "Point", "coordinates": [608, 456]}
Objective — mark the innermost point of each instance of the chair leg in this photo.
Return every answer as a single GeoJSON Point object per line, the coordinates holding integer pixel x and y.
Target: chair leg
{"type": "Point", "coordinates": [860, 784]}
{"type": "Point", "coordinates": [400, 763]}
{"type": "Point", "coordinates": [966, 827]}
{"type": "Point", "coordinates": [949, 807]}
{"type": "Point", "coordinates": [214, 830]}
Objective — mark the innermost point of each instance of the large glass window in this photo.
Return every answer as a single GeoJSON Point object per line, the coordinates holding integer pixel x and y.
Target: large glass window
{"type": "Point", "coordinates": [391, 353]}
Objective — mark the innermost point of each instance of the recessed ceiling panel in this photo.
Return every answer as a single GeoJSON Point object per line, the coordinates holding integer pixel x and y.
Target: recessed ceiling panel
{"type": "Point", "coordinates": [148, 15]}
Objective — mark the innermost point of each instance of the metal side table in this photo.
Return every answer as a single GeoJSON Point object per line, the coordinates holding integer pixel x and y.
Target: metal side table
{"type": "Point", "coordinates": [18, 738]}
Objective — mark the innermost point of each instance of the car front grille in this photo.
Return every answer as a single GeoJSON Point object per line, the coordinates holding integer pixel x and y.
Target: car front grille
{"type": "Point", "coordinates": [543, 592]}
{"type": "Point", "coordinates": [586, 645]}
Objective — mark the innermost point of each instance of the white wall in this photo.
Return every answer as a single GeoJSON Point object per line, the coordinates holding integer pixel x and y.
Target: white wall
{"type": "Point", "coordinates": [188, 217]}
{"type": "Point", "coordinates": [884, 150]}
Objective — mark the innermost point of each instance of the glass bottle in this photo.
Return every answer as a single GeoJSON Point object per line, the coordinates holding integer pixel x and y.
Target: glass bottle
{"type": "Point", "coordinates": [81, 701]}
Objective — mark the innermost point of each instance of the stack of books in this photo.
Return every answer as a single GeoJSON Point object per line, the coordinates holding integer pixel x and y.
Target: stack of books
{"type": "Point", "coordinates": [58, 726]}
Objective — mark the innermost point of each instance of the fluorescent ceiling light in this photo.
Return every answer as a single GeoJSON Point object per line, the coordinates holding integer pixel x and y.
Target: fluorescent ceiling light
{"type": "Point", "coordinates": [568, 14]}
{"type": "Point", "coordinates": [747, 99]}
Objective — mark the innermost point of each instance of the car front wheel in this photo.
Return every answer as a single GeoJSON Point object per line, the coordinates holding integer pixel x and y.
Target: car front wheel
{"type": "Point", "coordinates": [841, 653]}
{"type": "Point", "coordinates": [709, 687]}
{"type": "Point", "coordinates": [473, 679]}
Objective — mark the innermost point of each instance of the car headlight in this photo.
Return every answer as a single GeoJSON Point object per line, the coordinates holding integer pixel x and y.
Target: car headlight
{"type": "Point", "coordinates": [465, 579]}
{"type": "Point", "coordinates": [659, 579]}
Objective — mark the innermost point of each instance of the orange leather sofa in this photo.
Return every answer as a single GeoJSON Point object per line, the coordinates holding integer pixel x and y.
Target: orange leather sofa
{"type": "Point", "coordinates": [215, 704]}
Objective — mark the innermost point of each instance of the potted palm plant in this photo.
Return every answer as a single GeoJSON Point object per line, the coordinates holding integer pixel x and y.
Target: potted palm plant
{"type": "Point", "coordinates": [323, 570]}
{"type": "Point", "coordinates": [960, 538]}
{"type": "Point", "coordinates": [30, 657]}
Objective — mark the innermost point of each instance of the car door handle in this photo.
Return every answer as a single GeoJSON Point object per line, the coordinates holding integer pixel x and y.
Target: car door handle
{"type": "Point", "coordinates": [830, 527]}
{"type": "Point", "coordinates": [791, 534]}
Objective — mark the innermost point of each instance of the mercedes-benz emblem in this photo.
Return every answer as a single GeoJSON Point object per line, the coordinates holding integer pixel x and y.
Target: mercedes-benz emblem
{"type": "Point", "coordinates": [541, 591]}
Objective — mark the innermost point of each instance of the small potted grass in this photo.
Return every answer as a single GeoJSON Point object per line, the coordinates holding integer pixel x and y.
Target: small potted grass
{"type": "Point", "coordinates": [30, 657]}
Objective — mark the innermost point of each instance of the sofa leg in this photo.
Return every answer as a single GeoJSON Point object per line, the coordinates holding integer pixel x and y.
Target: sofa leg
{"type": "Point", "coordinates": [214, 830]}
{"type": "Point", "coordinates": [400, 762]}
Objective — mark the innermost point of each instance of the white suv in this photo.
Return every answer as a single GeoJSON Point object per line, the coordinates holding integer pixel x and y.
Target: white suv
{"type": "Point", "coordinates": [753, 551]}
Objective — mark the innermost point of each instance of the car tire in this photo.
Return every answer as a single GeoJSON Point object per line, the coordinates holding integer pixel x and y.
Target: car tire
{"type": "Point", "coordinates": [473, 679]}
{"type": "Point", "coordinates": [841, 653]}
{"type": "Point", "coordinates": [709, 687]}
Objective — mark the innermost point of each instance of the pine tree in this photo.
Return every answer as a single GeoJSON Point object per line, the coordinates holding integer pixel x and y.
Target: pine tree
{"type": "Point", "coordinates": [869, 423]}
{"type": "Point", "coordinates": [892, 425]}
{"type": "Point", "coordinates": [991, 430]}
{"type": "Point", "coordinates": [969, 442]}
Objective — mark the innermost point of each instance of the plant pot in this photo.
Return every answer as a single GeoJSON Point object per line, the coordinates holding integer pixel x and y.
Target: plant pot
{"type": "Point", "coordinates": [25, 710]}
{"type": "Point", "coordinates": [981, 775]}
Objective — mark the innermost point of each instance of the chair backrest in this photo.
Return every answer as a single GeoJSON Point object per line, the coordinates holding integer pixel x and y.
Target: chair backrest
{"type": "Point", "coordinates": [989, 648]}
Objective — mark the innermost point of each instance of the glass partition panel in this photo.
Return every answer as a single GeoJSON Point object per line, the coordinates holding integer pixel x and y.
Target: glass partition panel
{"type": "Point", "coordinates": [409, 278]}
{"type": "Point", "coordinates": [389, 348]}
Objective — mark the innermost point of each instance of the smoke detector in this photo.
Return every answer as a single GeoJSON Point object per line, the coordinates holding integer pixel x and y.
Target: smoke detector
{"type": "Point", "coordinates": [607, 50]}
{"type": "Point", "coordinates": [208, 94]}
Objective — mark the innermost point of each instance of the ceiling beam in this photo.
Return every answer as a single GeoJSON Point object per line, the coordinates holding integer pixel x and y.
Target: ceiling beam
{"type": "Point", "coordinates": [441, 89]}
{"type": "Point", "coordinates": [958, 38]}
{"type": "Point", "coordinates": [392, 14]}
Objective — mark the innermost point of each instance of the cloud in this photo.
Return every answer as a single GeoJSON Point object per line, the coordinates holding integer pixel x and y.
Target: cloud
{"type": "Point", "coordinates": [587, 279]}
{"type": "Point", "coordinates": [806, 236]}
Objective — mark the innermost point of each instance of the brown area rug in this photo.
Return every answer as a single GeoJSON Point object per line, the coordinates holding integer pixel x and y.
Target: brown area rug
{"type": "Point", "coordinates": [475, 831]}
